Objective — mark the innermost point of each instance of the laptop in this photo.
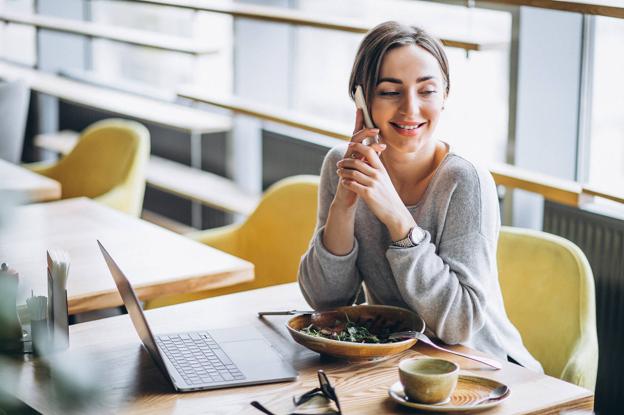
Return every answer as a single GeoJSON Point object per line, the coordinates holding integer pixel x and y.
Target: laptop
{"type": "Point", "coordinates": [202, 360]}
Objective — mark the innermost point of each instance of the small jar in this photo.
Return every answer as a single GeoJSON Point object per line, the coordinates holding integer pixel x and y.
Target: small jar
{"type": "Point", "coordinates": [10, 327]}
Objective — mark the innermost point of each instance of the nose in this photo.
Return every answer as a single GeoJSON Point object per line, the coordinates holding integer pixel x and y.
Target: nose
{"type": "Point", "coordinates": [410, 104]}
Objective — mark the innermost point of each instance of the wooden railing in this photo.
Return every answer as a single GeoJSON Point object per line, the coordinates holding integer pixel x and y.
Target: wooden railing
{"type": "Point", "coordinates": [467, 41]}
{"type": "Point", "coordinates": [197, 121]}
{"type": "Point", "coordinates": [551, 188]}
{"type": "Point", "coordinates": [115, 33]}
{"type": "Point", "coordinates": [190, 119]}
{"type": "Point", "coordinates": [268, 113]}
{"type": "Point", "coordinates": [593, 190]}
{"type": "Point", "coordinates": [181, 180]}
{"type": "Point", "coordinates": [166, 114]}
{"type": "Point", "coordinates": [608, 8]}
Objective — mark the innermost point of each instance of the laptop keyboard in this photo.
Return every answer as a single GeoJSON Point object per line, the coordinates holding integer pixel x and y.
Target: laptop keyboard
{"type": "Point", "coordinates": [198, 358]}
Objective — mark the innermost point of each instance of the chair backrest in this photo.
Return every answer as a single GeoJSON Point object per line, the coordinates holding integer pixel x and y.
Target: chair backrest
{"type": "Point", "coordinates": [278, 232]}
{"type": "Point", "coordinates": [273, 238]}
{"type": "Point", "coordinates": [14, 99]}
{"type": "Point", "coordinates": [548, 290]}
{"type": "Point", "coordinates": [110, 158]}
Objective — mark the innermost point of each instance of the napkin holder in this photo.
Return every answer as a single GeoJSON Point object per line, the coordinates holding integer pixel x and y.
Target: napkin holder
{"type": "Point", "coordinates": [58, 320]}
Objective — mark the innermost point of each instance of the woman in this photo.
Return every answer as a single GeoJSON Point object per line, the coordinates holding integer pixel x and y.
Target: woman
{"type": "Point", "coordinates": [414, 221]}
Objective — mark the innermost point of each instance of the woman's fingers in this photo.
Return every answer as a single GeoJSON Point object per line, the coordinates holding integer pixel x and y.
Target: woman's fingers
{"type": "Point", "coordinates": [356, 164]}
{"type": "Point", "coordinates": [354, 186]}
{"type": "Point", "coordinates": [355, 175]}
{"type": "Point", "coordinates": [358, 137]}
{"type": "Point", "coordinates": [369, 154]}
{"type": "Point", "coordinates": [378, 147]}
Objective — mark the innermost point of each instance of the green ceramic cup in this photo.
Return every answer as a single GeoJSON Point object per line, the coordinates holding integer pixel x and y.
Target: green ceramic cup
{"type": "Point", "coordinates": [427, 380]}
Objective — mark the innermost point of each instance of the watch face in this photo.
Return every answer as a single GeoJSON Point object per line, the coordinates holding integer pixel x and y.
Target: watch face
{"type": "Point", "coordinates": [413, 238]}
{"type": "Point", "coordinates": [416, 235]}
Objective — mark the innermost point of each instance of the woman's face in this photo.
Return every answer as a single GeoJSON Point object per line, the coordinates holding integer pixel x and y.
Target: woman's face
{"type": "Point", "coordinates": [408, 98]}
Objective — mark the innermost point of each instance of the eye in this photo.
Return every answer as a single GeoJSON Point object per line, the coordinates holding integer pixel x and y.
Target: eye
{"type": "Point", "coordinates": [388, 93]}
{"type": "Point", "coordinates": [428, 92]}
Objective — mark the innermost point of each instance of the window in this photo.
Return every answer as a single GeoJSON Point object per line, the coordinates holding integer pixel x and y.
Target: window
{"type": "Point", "coordinates": [606, 138]}
{"type": "Point", "coordinates": [476, 116]}
{"type": "Point", "coordinates": [160, 69]}
{"type": "Point", "coordinates": [17, 42]}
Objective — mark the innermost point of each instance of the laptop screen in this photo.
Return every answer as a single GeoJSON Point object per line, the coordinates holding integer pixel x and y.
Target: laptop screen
{"type": "Point", "coordinates": [134, 308]}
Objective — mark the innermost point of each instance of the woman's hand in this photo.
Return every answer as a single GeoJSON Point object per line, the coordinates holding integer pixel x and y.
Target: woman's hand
{"type": "Point", "coordinates": [345, 197]}
{"type": "Point", "coordinates": [338, 236]}
{"type": "Point", "coordinates": [368, 178]}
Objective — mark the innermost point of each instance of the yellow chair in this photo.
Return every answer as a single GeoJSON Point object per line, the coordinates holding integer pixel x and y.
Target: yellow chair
{"type": "Point", "coordinates": [548, 289]}
{"type": "Point", "coordinates": [273, 238]}
{"type": "Point", "coordinates": [108, 164]}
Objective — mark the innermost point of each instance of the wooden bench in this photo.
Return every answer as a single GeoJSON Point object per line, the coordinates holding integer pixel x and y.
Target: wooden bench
{"type": "Point", "coordinates": [115, 33]}
{"type": "Point", "coordinates": [467, 41]}
{"type": "Point", "coordinates": [200, 186]}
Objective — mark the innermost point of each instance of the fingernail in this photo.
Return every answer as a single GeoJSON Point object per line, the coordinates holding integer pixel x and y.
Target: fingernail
{"type": "Point", "coordinates": [351, 143]}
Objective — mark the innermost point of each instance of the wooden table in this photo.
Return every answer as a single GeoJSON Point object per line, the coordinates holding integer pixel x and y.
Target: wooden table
{"type": "Point", "coordinates": [34, 187]}
{"type": "Point", "coordinates": [157, 261]}
{"type": "Point", "coordinates": [133, 384]}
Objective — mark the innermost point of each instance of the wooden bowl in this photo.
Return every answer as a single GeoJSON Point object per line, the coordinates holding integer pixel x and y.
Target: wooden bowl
{"type": "Point", "coordinates": [375, 317]}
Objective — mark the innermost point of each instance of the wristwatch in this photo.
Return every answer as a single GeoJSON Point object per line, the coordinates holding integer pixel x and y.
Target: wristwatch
{"type": "Point", "coordinates": [415, 236]}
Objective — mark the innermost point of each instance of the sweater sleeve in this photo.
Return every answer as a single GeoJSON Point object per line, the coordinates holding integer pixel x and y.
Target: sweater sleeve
{"type": "Point", "coordinates": [447, 284]}
{"type": "Point", "coordinates": [327, 280]}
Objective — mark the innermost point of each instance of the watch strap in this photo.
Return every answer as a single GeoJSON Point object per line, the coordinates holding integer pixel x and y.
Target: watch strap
{"type": "Point", "coordinates": [415, 236]}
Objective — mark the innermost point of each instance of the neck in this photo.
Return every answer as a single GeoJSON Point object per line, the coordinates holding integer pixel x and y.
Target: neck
{"type": "Point", "coordinates": [408, 169]}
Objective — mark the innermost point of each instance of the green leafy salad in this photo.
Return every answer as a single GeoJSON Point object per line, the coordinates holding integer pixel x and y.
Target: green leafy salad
{"type": "Point", "coordinates": [348, 331]}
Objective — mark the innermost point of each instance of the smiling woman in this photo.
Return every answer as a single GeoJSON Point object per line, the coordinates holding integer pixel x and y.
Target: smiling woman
{"type": "Point", "coordinates": [415, 222]}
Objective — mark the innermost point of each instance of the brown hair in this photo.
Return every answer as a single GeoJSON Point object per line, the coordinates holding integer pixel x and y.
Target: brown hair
{"type": "Point", "coordinates": [381, 39]}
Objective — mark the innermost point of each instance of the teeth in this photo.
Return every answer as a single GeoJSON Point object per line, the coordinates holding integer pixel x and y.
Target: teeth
{"type": "Point", "coordinates": [408, 127]}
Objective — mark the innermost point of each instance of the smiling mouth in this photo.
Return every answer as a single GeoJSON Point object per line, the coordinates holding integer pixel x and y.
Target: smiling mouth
{"type": "Point", "coordinates": [410, 127]}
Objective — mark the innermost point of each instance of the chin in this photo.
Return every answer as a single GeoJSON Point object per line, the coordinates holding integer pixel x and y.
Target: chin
{"type": "Point", "coordinates": [408, 145]}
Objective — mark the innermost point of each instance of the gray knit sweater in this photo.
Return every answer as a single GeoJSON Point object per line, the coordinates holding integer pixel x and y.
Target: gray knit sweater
{"type": "Point", "coordinates": [450, 279]}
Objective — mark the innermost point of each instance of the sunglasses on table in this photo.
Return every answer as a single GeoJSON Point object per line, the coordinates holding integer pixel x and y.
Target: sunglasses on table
{"type": "Point", "coordinates": [321, 400]}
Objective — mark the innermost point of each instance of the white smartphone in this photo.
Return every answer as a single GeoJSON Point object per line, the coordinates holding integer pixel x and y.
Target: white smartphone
{"type": "Point", "coordinates": [360, 103]}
